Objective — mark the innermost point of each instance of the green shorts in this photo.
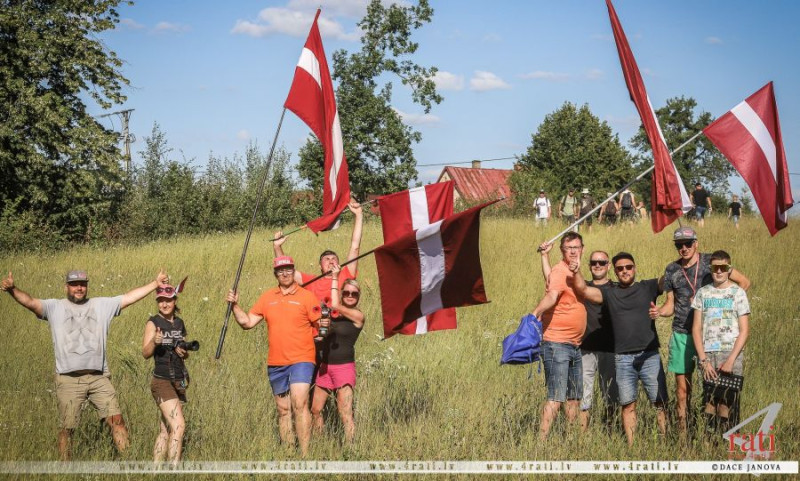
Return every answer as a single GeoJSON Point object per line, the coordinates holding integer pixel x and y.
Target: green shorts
{"type": "Point", "coordinates": [681, 353]}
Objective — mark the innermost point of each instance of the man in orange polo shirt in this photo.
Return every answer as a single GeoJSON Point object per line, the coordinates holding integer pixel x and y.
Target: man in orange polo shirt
{"type": "Point", "coordinates": [563, 317]}
{"type": "Point", "coordinates": [290, 312]}
{"type": "Point", "coordinates": [322, 287]}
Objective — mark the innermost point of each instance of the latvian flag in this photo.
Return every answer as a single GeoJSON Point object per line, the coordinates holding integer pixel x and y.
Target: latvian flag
{"type": "Point", "coordinates": [435, 267]}
{"type": "Point", "coordinates": [407, 211]}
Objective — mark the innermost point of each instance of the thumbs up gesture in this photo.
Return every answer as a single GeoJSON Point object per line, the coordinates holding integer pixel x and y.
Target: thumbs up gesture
{"type": "Point", "coordinates": [7, 283]}
{"type": "Point", "coordinates": [654, 314]}
{"type": "Point", "coordinates": [159, 337]}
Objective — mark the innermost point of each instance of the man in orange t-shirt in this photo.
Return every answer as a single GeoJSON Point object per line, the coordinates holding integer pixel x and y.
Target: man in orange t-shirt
{"type": "Point", "coordinates": [290, 313]}
{"type": "Point", "coordinates": [322, 287]}
{"type": "Point", "coordinates": [563, 317]}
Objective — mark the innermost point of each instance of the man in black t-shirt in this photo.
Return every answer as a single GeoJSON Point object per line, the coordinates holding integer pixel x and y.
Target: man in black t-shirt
{"type": "Point", "coordinates": [635, 339]}
{"type": "Point", "coordinates": [735, 210]}
{"type": "Point", "coordinates": [701, 201]}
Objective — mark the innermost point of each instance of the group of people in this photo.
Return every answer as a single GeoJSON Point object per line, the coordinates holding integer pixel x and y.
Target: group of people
{"type": "Point", "coordinates": [299, 355]}
{"type": "Point", "coordinates": [606, 330]}
{"type": "Point", "coordinates": [622, 208]}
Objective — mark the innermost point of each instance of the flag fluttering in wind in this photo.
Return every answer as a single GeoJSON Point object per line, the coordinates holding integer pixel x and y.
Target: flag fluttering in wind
{"type": "Point", "coordinates": [311, 98]}
{"type": "Point", "coordinates": [407, 211]}
{"type": "Point", "coordinates": [749, 136]}
{"type": "Point", "coordinates": [432, 268]}
{"type": "Point", "coordinates": [668, 194]}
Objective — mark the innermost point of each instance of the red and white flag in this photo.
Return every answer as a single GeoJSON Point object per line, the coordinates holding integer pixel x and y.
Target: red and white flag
{"type": "Point", "coordinates": [312, 99]}
{"type": "Point", "coordinates": [749, 135]}
{"type": "Point", "coordinates": [407, 211]}
{"type": "Point", "coordinates": [668, 195]}
{"type": "Point", "coordinates": [435, 267]}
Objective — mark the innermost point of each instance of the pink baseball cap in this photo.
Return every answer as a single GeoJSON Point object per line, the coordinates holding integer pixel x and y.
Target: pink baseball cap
{"type": "Point", "coordinates": [282, 261]}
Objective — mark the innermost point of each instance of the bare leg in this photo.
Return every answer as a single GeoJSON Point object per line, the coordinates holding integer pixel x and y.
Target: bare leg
{"type": "Point", "coordinates": [284, 406]}
{"type": "Point", "coordinates": [298, 392]}
{"type": "Point", "coordinates": [160, 448]}
{"type": "Point", "coordinates": [344, 400]}
{"type": "Point", "coordinates": [683, 392]}
{"type": "Point", "coordinates": [172, 413]}
{"type": "Point", "coordinates": [317, 405]}
{"type": "Point", "coordinates": [629, 421]}
{"type": "Point", "coordinates": [572, 408]}
{"type": "Point", "coordinates": [549, 413]}
{"type": "Point", "coordinates": [64, 444]}
{"type": "Point", "coordinates": [118, 431]}
{"type": "Point", "coordinates": [661, 417]}
{"type": "Point", "coordinates": [584, 420]}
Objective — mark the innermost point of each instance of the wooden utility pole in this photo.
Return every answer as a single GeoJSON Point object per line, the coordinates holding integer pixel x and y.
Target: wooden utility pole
{"type": "Point", "coordinates": [127, 137]}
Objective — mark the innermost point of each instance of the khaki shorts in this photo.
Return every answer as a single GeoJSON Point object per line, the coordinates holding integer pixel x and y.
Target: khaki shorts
{"type": "Point", "coordinates": [166, 390]}
{"type": "Point", "coordinates": [72, 392]}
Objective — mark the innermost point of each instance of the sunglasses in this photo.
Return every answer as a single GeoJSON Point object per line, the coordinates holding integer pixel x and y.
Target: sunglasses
{"type": "Point", "coordinates": [626, 267]}
{"type": "Point", "coordinates": [720, 268]}
{"type": "Point", "coordinates": [354, 294]}
{"type": "Point", "coordinates": [165, 290]}
{"type": "Point", "coordinates": [595, 263]}
{"type": "Point", "coordinates": [687, 244]}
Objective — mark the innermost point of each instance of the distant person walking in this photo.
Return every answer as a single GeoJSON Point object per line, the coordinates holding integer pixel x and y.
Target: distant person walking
{"type": "Point", "coordinates": [735, 210]}
{"type": "Point", "coordinates": [627, 204]}
{"type": "Point", "coordinates": [701, 201]}
{"type": "Point", "coordinates": [568, 207]}
{"type": "Point", "coordinates": [79, 326]}
{"type": "Point", "coordinates": [542, 208]}
{"type": "Point", "coordinates": [609, 211]}
{"type": "Point", "coordinates": [641, 212]}
{"type": "Point", "coordinates": [586, 206]}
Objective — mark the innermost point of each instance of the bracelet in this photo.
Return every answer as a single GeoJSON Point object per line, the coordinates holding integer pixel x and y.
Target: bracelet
{"type": "Point", "coordinates": [334, 288]}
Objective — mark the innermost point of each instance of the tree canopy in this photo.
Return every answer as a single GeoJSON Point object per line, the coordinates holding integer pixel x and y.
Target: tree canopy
{"type": "Point", "coordinates": [57, 163]}
{"type": "Point", "coordinates": [572, 148]}
{"type": "Point", "coordinates": [377, 143]}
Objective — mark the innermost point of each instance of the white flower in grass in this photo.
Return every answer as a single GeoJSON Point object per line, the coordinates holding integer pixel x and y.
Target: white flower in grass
{"type": "Point", "coordinates": [205, 299]}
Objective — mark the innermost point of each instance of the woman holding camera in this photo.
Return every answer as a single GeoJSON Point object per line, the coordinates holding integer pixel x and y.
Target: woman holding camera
{"type": "Point", "coordinates": [337, 369]}
{"type": "Point", "coordinates": [163, 333]}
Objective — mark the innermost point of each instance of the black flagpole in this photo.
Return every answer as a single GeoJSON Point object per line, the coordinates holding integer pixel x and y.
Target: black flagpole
{"type": "Point", "coordinates": [247, 239]}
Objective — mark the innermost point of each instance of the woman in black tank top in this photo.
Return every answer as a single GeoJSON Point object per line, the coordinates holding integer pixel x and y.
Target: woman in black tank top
{"type": "Point", "coordinates": [337, 371]}
{"type": "Point", "coordinates": [162, 333]}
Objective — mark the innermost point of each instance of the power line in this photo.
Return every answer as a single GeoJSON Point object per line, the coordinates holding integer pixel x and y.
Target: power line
{"type": "Point", "coordinates": [465, 162]}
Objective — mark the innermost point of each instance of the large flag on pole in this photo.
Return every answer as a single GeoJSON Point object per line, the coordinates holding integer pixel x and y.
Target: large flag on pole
{"type": "Point", "coordinates": [312, 99]}
{"type": "Point", "coordinates": [749, 135]}
{"type": "Point", "coordinates": [407, 211]}
{"type": "Point", "coordinates": [435, 267]}
{"type": "Point", "coordinates": [668, 195]}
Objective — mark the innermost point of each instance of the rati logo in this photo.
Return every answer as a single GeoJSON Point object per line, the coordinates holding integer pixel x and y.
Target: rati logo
{"type": "Point", "coordinates": [758, 445]}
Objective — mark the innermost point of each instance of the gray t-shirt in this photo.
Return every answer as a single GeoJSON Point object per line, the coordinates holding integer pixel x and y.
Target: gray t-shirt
{"type": "Point", "coordinates": [80, 331]}
{"type": "Point", "coordinates": [685, 283]}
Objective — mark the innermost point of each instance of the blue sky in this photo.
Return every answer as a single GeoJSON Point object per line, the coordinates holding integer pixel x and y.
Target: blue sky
{"type": "Point", "coordinates": [214, 75]}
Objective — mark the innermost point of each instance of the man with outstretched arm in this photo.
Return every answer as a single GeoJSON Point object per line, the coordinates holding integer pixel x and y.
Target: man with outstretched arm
{"type": "Point", "coordinates": [322, 287]}
{"type": "Point", "coordinates": [563, 318]}
{"type": "Point", "coordinates": [682, 279]}
{"type": "Point", "coordinates": [290, 313]}
{"type": "Point", "coordinates": [635, 339]}
{"type": "Point", "coordinates": [79, 327]}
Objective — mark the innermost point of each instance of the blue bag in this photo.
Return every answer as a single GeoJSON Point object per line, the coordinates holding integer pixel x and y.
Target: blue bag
{"type": "Point", "coordinates": [524, 345]}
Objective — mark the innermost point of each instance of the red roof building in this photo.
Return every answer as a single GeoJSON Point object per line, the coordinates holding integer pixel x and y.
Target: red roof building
{"type": "Point", "coordinates": [474, 184]}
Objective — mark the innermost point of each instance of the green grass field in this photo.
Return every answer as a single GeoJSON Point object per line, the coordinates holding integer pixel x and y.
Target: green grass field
{"type": "Point", "coordinates": [441, 396]}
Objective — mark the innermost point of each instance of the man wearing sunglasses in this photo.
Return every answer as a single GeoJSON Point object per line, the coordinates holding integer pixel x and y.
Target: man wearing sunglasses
{"type": "Point", "coordinates": [635, 339]}
{"type": "Point", "coordinates": [682, 279]}
{"type": "Point", "coordinates": [79, 327]}
{"type": "Point", "coordinates": [329, 258]}
{"type": "Point", "coordinates": [290, 313]}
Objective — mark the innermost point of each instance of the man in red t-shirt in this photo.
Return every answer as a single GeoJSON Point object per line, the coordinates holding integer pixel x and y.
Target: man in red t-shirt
{"type": "Point", "coordinates": [563, 317]}
{"type": "Point", "coordinates": [291, 313]}
{"type": "Point", "coordinates": [322, 287]}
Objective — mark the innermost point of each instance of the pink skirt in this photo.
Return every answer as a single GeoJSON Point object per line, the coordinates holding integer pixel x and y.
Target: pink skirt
{"type": "Point", "coordinates": [334, 376]}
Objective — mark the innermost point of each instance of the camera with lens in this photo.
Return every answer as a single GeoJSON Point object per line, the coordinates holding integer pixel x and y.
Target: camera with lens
{"type": "Point", "coordinates": [326, 314]}
{"type": "Point", "coordinates": [188, 345]}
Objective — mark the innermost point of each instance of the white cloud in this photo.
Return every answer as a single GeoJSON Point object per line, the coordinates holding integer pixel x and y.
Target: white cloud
{"type": "Point", "coordinates": [483, 81]}
{"type": "Point", "coordinates": [333, 8]}
{"type": "Point", "coordinates": [544, 75]}
{"type": "Point", "coordinates": [417, 119]}
{"type": "Point", "coordinates": [291, 22]}
{"type": "Point", "coordinates": [162, 27]}
{"type": "Point", "coordinates": [243, 134]}
{"type": "Point", "coordinates": [131, 23]}
{"type": "Point", "coordinates": [630, 121]}
{"type": "Point", "coordinates": [594, 74]}
{"type": "Point", "coordinates": [714, 40]}
{"type": "Point", "coordinates": [448, 81]}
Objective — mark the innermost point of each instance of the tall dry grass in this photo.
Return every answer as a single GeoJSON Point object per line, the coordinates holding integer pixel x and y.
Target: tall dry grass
{"type": "Point", "coordinates": [432, 397]}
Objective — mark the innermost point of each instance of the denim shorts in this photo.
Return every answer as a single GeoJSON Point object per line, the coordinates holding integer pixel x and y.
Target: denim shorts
{"type": "Point", "coordinates": [699, 212]}
{"type": "Point", "coordinates": [645, 366]}
{"type": "Point", "coordinates": [562, 371]}
{"type": "Point", "coordinates": [598, 365]}
{"type": "Point", "coordinates": [280, 377]}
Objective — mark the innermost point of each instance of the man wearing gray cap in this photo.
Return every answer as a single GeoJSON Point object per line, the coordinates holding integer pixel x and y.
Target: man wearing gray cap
{"type": "Point", "coordinates": [682, 279]}
{"type": "Point", "coordinates": [79, 327]}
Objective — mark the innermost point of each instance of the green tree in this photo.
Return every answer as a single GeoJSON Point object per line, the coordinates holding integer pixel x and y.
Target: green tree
{"type": "Point", "coordinates": [377, 144]}
{"type": "Point", "coordinates": [571, 148]}
{"type": "Point", "coordinates": [699, 161]}
{"type": "Point", "coordinates": [56, 161]}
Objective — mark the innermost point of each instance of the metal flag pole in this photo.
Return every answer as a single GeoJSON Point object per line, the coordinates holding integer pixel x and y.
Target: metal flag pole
{"type": "Point", "coordinates": [287, 234]}
{"type": "Point", "coordinates": [340, 265]}
{"type": "Point", "coordinates": [621, 189]}
{"type": "Point", "coordinates": [249, 233]}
